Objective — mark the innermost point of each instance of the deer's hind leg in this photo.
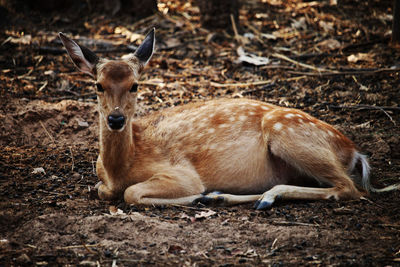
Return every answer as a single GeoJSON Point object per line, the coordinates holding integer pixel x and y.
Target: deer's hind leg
{"type": "Point", "coordinates": [309, 151]}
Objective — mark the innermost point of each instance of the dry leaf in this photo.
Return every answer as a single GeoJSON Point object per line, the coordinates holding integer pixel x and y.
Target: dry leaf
{"type": "Point", "coordinates": [24, 40]}
{"type": "Point", "coordinates": [268, 36]}
{"type": "Point", "coordinates": [250, 58]}
{"type": "Point", "coordinates": [329, 44]}
{"type": "Point", "coordinates": [115, 211]}
{"type": "Point", "coordinates": [326, 26]}
{"type": "Point", "coordinates": [300, 24]}
{"type": "Point", "coordinates": [205, 214]}
{"type": "Point", "coordinates": [359, 57]}
{"type": "Point", "coordinates": [172, 42]}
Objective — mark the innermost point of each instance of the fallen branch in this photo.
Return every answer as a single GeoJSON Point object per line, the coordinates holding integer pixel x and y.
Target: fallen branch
{"type": "Point", "coordinates": [362, 106]}
{"type": "Point", "coordinates": [285, 223]}
{"type": "Point", "coordinates": [59, 51]}
{"type": "Point", "coordinates": [283, 57]}
{"type": "Point", "coordinates": [355, 72]}
{"type": "Point", "coordinates": [79, 246]}
{"type": "Point", "coordinates": [219, 85]}
{"type": "Point", "coordinates": [368, 107]}
{"type": "Point", "coordinates": [214, 84]}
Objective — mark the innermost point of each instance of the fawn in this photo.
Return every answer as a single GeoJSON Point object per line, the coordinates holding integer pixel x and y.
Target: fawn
{"type": "Point", "coordinates": [247, 149]}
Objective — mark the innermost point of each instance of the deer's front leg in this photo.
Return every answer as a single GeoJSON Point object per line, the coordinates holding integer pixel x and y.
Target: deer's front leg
{"type": "Point", "coordinates": [104, 192]}
{"type": "Point", "coordinates": [180, 187]}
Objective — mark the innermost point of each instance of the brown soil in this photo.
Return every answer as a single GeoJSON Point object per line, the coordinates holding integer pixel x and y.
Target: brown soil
{"type": "Point", "coordinates": [48, 120]}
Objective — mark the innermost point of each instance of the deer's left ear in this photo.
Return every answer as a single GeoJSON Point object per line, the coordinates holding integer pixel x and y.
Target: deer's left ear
{"type": "Point", "coordinates": [82, 57]}
{"type": "Point", "coordinates": [146, 49]}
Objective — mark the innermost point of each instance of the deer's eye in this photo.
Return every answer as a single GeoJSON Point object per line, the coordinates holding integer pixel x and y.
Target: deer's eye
{"type": "Point", "coordinates": [99, 87]}
{"type": "Point", "coordinates": [134, 88]}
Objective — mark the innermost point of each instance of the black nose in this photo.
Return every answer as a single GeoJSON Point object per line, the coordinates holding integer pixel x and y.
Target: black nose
{"type": "Point", "coordinates": [116, 121]}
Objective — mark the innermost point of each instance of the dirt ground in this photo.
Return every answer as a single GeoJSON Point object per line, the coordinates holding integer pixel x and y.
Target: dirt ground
{"type": "Point", "coordinates": [334, 61]}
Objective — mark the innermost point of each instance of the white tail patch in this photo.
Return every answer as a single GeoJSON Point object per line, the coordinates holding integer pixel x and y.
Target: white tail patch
{"type": "Point", "coordinates": [365, 170]}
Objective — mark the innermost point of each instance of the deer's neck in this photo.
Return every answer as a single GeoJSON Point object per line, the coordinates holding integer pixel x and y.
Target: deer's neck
{"type": "Point", "coordinates": [116, 148]}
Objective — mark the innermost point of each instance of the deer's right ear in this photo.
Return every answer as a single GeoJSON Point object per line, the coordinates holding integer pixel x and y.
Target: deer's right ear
{"type": "Point", "coordinates": [82, 57]}
{"type": "Point", "coordinates": [146, 49]}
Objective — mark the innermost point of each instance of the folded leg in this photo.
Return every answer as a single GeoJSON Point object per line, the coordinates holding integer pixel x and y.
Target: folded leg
{"type": "Point", "coordinates": [179, 186]}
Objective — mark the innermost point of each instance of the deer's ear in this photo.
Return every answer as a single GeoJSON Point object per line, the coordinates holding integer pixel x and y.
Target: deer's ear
{"type": "Point", "coordinates": [146, 49]}
{"type": "Point", "coordinates": [82, 57]}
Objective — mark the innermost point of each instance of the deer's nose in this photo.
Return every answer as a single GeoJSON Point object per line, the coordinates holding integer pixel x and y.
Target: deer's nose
{"type": "Point", "coordinates": [116, 120]}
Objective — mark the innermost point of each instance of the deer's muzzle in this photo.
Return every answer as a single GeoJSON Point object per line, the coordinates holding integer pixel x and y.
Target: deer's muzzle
{"type": "Point", "coordinates": [116, 120]}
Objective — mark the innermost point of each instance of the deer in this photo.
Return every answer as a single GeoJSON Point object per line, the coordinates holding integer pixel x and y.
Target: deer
{"type": "Point", "coordinates": [228, 151]}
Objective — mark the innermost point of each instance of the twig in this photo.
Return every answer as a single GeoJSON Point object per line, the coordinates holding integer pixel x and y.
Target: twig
{"type": "Point", "coordinates": [43, 86]}
{"type": "Point", "coordinates": [283, 57]}
{"type": "Point", "coordinates": [240, 84]}
{"type": "Point", "coordinates": [284, 223]}
{"type": "Point", "coordinates": [355, 72]}
{"type": "Point", "coordinates": [60, 51]}
{"type": "Point", "coordinates": [93, 169]}
{"type": "Point", "coordinates": [189, 207]}
{"type": "Point", "coordinates": [144, 20]}
{"type": "Point", "coordinates": [88, 249]}
{"type": "Point", "coordinates": [186, 21]}
{"type": "Point", "coordinates": [390, 225]}
{"type": "Point", "coordinates": [72, 157]}
{"type": "Point", "coordinates": [360, 107]}
{"type": "Point", "coordinates": [371, 202]}
{"type": "Point", "coordinates": [257, 34]}
{"type": "Point", "coordinates": [48, 134]}
{"type": "Point", "coordinates": [365, 107]}
{"type": "Point", "coordinates": [237, 37]}
{"type": "Point", "coordinates": [215, 84]}
{"type": "Point", "coordinates": [258, 89]}
{"type": "Point", "coordinates": [79, 246]}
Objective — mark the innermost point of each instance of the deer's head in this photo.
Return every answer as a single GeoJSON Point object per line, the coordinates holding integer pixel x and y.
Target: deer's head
{"type": "Point", "coordinates": [116, 80]}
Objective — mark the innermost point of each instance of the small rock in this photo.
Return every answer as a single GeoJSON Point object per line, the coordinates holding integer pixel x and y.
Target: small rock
{"type": "Point", "coordinates": [83, 124]}
{"type": "Point", "coordinates": [76, 175]}
{"type": "Point", "coordinates": [38, 170]}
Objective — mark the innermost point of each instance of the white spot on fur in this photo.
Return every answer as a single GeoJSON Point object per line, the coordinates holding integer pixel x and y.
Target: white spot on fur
{"type": "Point", "coordinates": [330, 133]}
{"type": "Point", "coordinates": [254, 104]}
{"type": "Point", "coordinates": [212, 146]}
{"type": "Point", "coordinates": [289, 115]}
{"type": "Point", "coordinates": [251, 113]}
{"type": "Point", "coordinates": [300, 120]}
{"type": "Point", "coordinates": [264, 108]}
{"type": "Point", "coordinates": [242, 117]}
{"type": "Point", "coordinates": [270, 117]}
{"type": "Point", "coordinates": [312, 124]}
{"type": "Point", "coordinates": [299, 115]}
{"type": "Point", "coordinates": [278, 126]}
{"type": "Point", "coordinates": [223, 125]}
{"type": "Point", "coordinates": [291, 129]}
{"type": "Point", "coordinates": [232, 119]}
{"type": "Point", "coordinates": [211, 130]}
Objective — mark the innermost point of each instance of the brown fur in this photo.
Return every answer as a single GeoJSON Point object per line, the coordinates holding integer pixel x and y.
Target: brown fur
{"type": "Point", "coordinates": [237, 146]}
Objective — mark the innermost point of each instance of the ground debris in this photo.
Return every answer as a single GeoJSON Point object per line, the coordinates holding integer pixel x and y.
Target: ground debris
{"type": "Point", "coordinates": [332, 59]}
